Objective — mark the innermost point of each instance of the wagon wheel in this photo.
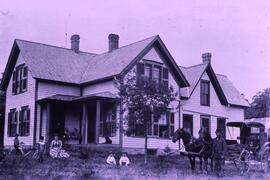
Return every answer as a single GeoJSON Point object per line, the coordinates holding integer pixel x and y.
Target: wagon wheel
{"type": "Point", "coordinates": [265, 155]}
{"type": "Point", "coordinates": [242, 163]}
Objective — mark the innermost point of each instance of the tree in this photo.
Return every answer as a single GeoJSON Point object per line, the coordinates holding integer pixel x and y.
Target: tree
{"type": "Point", "coordinates": [260, 105]}
{"type": "Point", "coordinates": [2, 115]}
{"type": "Point", "coordinates": [143, 100]}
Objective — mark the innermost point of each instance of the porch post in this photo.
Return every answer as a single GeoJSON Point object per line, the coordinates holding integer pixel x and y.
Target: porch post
{"type": "Point", "coordinates": [97, 120]}
{"type": "Point", "coordinates": [48, 119]}
{"type": "Point", "coordinates": [85, 124]}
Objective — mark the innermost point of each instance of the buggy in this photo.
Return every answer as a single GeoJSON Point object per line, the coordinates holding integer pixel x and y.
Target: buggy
{"type": "Point", "coordinates": [252, 148]}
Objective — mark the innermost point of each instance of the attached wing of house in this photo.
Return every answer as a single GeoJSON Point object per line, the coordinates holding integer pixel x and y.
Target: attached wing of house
{"type": "Point", "coordinates": [226, 91]}
{"type": "Point", "coordinates": [211, 100]}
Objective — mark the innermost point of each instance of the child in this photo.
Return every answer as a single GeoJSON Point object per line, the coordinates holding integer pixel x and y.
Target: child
{"type": "Point", "coordinates": [40, 149]}
{"type": "Point", "coordinates": [124, 161]}
{"type": "Point", "coordinates": [17, 145]}
{"type": "Point", "coordinates": [110, 159]}
{"type": "Point", "coordinates": [219, 151]}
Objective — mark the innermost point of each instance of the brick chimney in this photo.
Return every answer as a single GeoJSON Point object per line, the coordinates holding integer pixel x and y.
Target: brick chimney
{"type": "Point", "coordinates": [113, 42]}
{"type": "Point", "coordinates": [206, 57]}
{"type": "Point", "coordinates": [75, 43]}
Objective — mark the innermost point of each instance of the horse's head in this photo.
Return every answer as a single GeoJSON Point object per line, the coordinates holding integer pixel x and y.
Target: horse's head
{"type": "Point", "coordinates": [178, 134]}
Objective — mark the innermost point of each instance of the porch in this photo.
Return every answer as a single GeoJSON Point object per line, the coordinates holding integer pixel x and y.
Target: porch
{"type": "Point", "coordinates": [78, 120]}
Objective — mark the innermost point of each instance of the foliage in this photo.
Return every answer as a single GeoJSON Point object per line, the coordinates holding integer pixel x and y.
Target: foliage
{"type": "Point", "coordinates": [260, 105]}
{"type": "Point", "coordinates": [142, 99]}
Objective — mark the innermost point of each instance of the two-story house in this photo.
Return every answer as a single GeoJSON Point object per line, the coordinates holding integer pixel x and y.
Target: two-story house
{"type": "Point", "coordinates": [210, 101]}
{"type": "Point", "coordinates": [53, 90]}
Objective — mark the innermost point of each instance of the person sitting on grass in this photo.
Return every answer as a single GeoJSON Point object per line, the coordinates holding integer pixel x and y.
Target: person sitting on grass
{"type": "Point", "coordinates": [40, 149]}
{"type": "Point", "coordinates": [110, 159]}
{"type": "Point", "coordinates": [56, 150]}
{"type": "Point", "coordinates": [124, 161]}
{"type": "Point", "coordinates": [17, 145]}
{"type": "Point", "coordinates": [219, 152]}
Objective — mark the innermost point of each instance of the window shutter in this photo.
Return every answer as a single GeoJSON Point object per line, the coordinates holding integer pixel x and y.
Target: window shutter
{"type": "Point", "coordinates": [140, 68]}
{"type": "Point", "coordinates": [25, 71]}
{"type": "Point", "coordinates": [16, 121]}
{"type": "Point", "coordinates": [28, 122]}
{"type": "Point", "coordinates": [9, 124]}
{"type": "Point", "coordinates": [20, 122]}
{"type": "Point", "coordinates": [14, 84]}
{"type": "Point", "coordinates": [165, 73]}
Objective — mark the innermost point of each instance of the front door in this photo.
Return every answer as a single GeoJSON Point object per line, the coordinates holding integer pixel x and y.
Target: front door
{"type": "Point", "coordinates": [57, 125]}
{"type": "Point", "coordinates": [91, 122]}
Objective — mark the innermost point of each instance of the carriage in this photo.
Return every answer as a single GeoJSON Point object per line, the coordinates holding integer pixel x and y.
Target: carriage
{"type": "Point", "coordinates": [251, 148]}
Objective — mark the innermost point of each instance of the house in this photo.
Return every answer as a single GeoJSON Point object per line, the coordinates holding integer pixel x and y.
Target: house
{"type": "Point", "coordinates": [53, 90]}
{"type": "Point", "coordinates": [210, 101]}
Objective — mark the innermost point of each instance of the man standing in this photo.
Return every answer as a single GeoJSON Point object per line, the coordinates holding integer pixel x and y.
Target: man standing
{"type": "Point", "coordinates": [219, 151]}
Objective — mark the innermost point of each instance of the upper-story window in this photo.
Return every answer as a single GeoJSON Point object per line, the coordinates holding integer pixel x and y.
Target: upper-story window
{"type": "Point", "coordinates": [19, 79]}
{"type": "Point", "coordinates": [154, 71]}
{"type": "Point", "coordinates": [205, 93]}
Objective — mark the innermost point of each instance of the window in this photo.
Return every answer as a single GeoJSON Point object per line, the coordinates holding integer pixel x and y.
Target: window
{"type": "Point", "coordinates": [19, 79]}
{"type": "Point", "coordinates": [154, 71]}
{"type": "Point", "coordinates": [188, 123]}
{"type": "Point", "coordinates": [205, 123]}
{"type": "Point", "coordinates": [24, 121]}
{"type": "Point", "coordinates": [162, 126]}
{"type": "Point", "coordinates": [108, 122]}
{"type": "Point", "coordinates": [157, 73]}
{"type": "Point", "coordinates": [12, 123]}
{"type": "Point", "coordinates": [221, 124]}
{"type": "Point", "coordinates": [205, 93]}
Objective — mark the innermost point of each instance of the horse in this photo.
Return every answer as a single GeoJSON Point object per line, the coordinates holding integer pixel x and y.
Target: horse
{"type": "Point", "coordinates": [201, 147]}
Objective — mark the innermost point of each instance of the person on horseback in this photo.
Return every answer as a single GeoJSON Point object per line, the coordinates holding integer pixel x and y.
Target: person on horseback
{"type": "Point", "coordinates": [219, 151]}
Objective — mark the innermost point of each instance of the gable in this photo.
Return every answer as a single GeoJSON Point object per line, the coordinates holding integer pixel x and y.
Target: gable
{"type": "Point", "coordinates": [58, 64]}
{"type": "Point", "coordinates": [194, 75]}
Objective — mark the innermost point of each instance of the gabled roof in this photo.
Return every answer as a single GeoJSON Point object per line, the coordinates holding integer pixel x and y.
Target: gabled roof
{"type": "Point", "coordinates": [232, 94]}
{"type": "Point", "coordinates": [53, 63]}
{"type": "Point", "coordinates": [226, 91]}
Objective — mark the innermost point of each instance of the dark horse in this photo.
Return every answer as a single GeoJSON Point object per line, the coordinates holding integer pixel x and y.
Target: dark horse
{"type": "Point", "coordinates": [200, 147]}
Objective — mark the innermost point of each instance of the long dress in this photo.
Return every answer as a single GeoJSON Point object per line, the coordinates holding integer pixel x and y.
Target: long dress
{"type": "Point", "coordinates": [56, 150]}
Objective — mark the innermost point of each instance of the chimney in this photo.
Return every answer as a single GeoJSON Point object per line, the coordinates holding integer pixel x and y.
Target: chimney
{"type": "Point", "coordinates": [113, 42]}
{"type": "Point", "coordinates": [206, 57]}
{"type": "Point", "coordinates": [75, 42]}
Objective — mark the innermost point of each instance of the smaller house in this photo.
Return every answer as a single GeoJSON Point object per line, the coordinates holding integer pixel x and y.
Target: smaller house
{"type": "Point", "coordinates": [211, 100]}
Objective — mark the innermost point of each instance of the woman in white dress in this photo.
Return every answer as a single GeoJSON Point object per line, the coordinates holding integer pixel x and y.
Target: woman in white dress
{"type": "Point", "coordinates": [56, 150]}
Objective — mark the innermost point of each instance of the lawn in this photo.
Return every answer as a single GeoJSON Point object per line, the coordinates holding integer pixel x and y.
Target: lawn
{"type": "Point", "coordinates": [79, 166]}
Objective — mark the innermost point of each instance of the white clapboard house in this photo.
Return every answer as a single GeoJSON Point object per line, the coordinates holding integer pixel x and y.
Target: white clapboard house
{"type": "Point", "coordinates": [53, 90]}
{"type": "Point", "coordinates": [210, 101]}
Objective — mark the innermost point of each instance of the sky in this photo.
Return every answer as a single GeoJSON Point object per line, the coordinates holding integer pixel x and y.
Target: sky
{"type": "Point", "coordinates": [237, 33]}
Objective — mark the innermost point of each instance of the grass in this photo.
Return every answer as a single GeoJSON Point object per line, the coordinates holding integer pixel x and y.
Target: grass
{"type": "Point", "coordinates": [94, 167]}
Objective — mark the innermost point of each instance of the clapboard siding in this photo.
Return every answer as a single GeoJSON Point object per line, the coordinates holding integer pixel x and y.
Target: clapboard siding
{"type": "Point", "coordinates": [100, 87]}
{"type": "Point", "coordinates": [156, 143]}
{"type": "Point", "coordinates": [17, 101]}
{"type": "Point", "coordinates": [46, 89]}
{"type": "Point", "coordinates": [215, 110]}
